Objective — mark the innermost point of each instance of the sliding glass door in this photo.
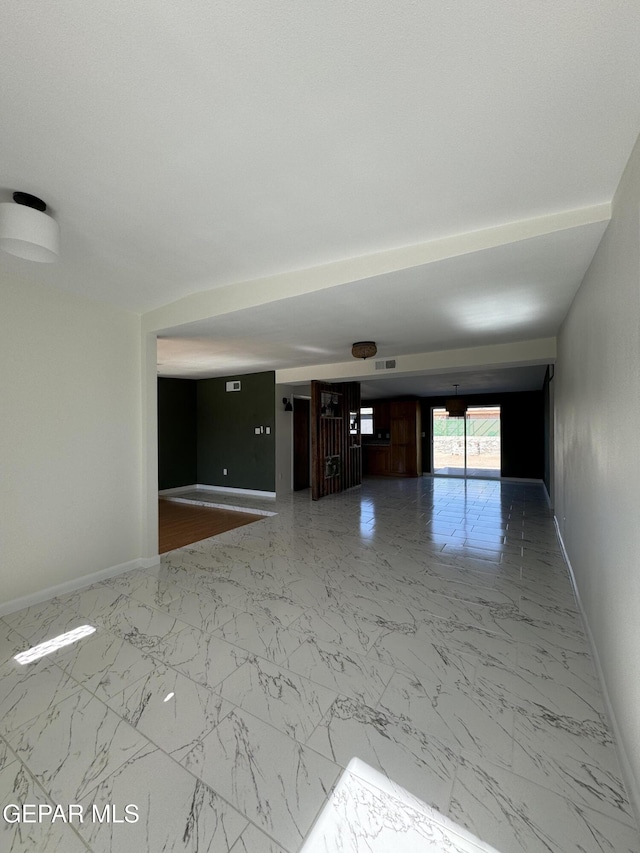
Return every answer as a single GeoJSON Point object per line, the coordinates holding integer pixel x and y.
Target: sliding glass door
{"type": "Point", "coordinates": [468, 446]}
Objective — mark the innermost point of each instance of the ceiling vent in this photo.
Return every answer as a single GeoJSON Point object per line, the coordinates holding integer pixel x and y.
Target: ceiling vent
{"type": "Point", "coordinates": [386, 364]}
{"type": "Point", "coordinates": [234, 385]}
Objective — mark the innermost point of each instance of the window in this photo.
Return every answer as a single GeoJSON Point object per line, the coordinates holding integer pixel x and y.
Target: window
{"type": "Point", "coordinates": [366, 420]}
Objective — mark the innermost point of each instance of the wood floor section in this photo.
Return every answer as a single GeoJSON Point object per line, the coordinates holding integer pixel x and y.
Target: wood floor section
{"type": "Point", "coordinates": [182, 524]}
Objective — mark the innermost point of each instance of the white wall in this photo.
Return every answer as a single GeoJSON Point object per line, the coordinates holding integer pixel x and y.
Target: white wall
{"type": "Point", "coordinates": [70, 439]}
{"type": "Point", "coordinates": [597, 458]}
{"type": "Point", "coordinates": [149, 468]}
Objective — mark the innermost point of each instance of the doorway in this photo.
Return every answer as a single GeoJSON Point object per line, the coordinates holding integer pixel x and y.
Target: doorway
{"type": "Point", "coordinates": [469, 446]}
{"type": "Point", "coordinates": [301, 444]}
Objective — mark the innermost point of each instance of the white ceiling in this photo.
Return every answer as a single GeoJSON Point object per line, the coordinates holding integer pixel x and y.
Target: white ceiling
{"type": "Point", "coordinates": [520, 291]}
{"type": "Point", "coordinates": [497, 380]}
{"type": "Point", "coordinates": [185, 147]}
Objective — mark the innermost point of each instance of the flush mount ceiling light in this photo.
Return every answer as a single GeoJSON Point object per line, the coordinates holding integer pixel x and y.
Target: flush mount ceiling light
{"type": "Point", "coordinates": [364, 349]}
{"type": "Point", "coordinates": [26, 229]}
{"type": "Point", "coordinates": [456, 406]}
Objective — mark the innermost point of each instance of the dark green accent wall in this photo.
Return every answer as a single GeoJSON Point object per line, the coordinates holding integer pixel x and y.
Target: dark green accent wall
{"type": "Point", "coordinates": [177, 433]}
{"type": "Point", "coordinates": [522, 431]}
{"type": "Point", "coordinates": [226, 437]}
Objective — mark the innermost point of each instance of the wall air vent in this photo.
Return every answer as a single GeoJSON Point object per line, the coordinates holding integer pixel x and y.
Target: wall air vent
{"type": "Point", "coordinates": [233, 386]}
{"type": "Point", "coordinates": [388, 364]}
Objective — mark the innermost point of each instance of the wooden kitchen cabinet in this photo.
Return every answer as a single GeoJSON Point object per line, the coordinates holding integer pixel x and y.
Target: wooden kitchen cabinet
{"type": "Point", "coordinates": [399, 421]}
{"type": "Point", "coordinates": [403, 423]}
{"type": "Point", "coordinates": [377, 460]}
{"type": "Point", "coordinates": [381, 418]}
{"type": "Point", "coordinates": [406, 438]}
{"type": "Point", "coordinates": [401, 461]}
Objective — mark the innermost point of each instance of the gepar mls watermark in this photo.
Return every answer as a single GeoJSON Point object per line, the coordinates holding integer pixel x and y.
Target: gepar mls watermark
{"type": "Point", "coordinates": [69, 813]}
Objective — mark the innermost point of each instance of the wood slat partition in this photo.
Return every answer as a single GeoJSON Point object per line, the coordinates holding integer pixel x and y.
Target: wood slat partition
{"type": "Point", "coordinates": [352, 467]}
{"type": "Point", "coordinates": [336, 454]}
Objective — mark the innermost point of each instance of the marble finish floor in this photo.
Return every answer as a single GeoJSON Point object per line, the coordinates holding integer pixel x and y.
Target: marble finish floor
{"type": "Point", "coordinates": [426, 627]}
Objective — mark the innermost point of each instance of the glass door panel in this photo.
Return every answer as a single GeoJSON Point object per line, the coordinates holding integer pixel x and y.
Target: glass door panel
{"type": "Point", "coordinates": [448, 444]}
{"type": "Point", "coordinates": [483, 441]}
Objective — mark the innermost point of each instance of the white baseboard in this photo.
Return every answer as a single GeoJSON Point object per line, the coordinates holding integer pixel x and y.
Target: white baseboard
{"type": "Point", "coordinates": [520, 480]}
{"type": "Point", "coordinates": [176, 499]}
{"type": "Point", "coordinates": [628, 776]}
{"type": "Point", "coordinates": [75, 584]}
{"type": "Point", "coordinates": [147, 562]}
{"type": "Point", "coordinates": [254, 493]}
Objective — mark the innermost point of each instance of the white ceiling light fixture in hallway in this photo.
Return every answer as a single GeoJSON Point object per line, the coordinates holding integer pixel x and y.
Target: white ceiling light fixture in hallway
{"type": "Point", "coordinates": [27, 230]}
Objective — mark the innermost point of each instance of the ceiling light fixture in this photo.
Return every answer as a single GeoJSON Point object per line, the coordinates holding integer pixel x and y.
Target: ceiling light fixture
{"type": "Point", "coordinates": [456, 406]}
{"type": "Point", "coordinates": [364, 349]}
{"type": "Point", "coordinates": [26, 229]}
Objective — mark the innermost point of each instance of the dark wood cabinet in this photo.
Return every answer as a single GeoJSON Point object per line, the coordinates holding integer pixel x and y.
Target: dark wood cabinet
{"type": "Point", "coordinates": [377, 459]}
{"type": "Point", "coordinates": [402, 457]}
{"type": "Point", "coordinates": [381, 419]}
{"type": "Point", "coordinates": [401, 461]}
{"type": "Point", "coordinates": [403, 424]}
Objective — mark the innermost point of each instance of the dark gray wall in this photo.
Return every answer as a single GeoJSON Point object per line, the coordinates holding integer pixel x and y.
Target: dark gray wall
{"type": "Point", "coordinates": [522, 431]}
{"type": "Point", "coordinates": [226, 432]}
{"type": "Point", "coordinates": [177, 433]}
